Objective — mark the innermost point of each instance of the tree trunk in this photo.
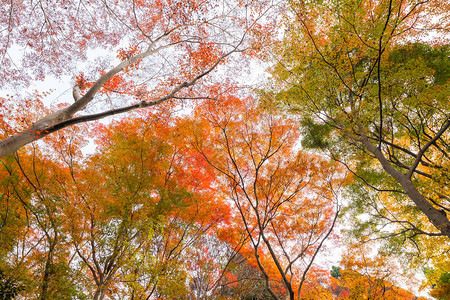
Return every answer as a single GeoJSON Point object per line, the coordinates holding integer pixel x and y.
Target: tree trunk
{"type": "Point", "coordinates": [100, 293]}
{"type": "Point", "coordinates": [48, 272]}
{"type": "Point", "coordinates": [437, 217]}
{"type": "Point", "coordinates": [45, 281]}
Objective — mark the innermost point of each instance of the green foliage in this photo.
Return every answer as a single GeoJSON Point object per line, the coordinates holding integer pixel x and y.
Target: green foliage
{"type": "Point", "coordinates": [316, 136]}
{"type": "Point", "coordinates": [441, 290]}
{"type": "Point", "coordinates": [335, 272]}
{"type": "Point", "coordinates": [435, 58]}
{"type": "Point", "coordinates": [9, 287]}
{"type": "Point", "coordinates": [366, 90]}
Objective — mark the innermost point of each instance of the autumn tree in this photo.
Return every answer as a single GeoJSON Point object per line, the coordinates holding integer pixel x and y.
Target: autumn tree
{"type": "Point", "coordinates": [121, 222]}
{"type": "Point", "coordinates": [366, 274]}
{"type": "Point", "coordinates": [161, 204]}
{"type": "Point", "coordinates": [138, 53]}
{"type": "Point", "coordinates": [372, 92]}
{"type": "Point", "coordinates": [37, 251]}
{"type": "Point", "coordinates": [284, 199]}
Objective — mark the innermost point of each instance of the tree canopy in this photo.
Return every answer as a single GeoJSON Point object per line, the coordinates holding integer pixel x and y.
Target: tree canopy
{"type": "Point", "coordinates": [374, 96]}
{"type": "Point", "coordinates": [165, 172]}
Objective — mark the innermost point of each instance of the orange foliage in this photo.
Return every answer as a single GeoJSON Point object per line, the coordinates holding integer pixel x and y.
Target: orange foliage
{"type": "Point", "coordinates": [284, 199]}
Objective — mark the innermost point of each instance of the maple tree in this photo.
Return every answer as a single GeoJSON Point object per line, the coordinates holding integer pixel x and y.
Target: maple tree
{"type": "Point", "coordinates": [374, 95]}
{"type": "Point", "coordinates": [36, 250]}
{"type": "Point", "coordinates": [285, 200]}
{"type": "Point", "coordinates": [367, 276]}
{"type": "Point", "coordinates": [163, 49]}
{"type": "Point", "coordinates": [119, 222]}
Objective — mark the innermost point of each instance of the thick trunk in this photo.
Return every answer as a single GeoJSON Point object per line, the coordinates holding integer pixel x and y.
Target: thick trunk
{"type": "Point", "coordinates": [15, 142]}
{"type": "Point", "coordinates": [100, 293]}
{"type": "Point", "coordinates": [437, 217]}
{"type": "Point", "coordinates": [46, 125]}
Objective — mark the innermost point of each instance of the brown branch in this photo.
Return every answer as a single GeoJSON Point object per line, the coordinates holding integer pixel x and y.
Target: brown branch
{"type": "Point", "coordinates": [425, 148]}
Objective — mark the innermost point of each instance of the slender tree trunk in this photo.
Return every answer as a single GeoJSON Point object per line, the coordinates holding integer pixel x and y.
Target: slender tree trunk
{"type": "Point", "coordinates": [48, 272]}
{"type": "Point", "coordinates": [45, 281]}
